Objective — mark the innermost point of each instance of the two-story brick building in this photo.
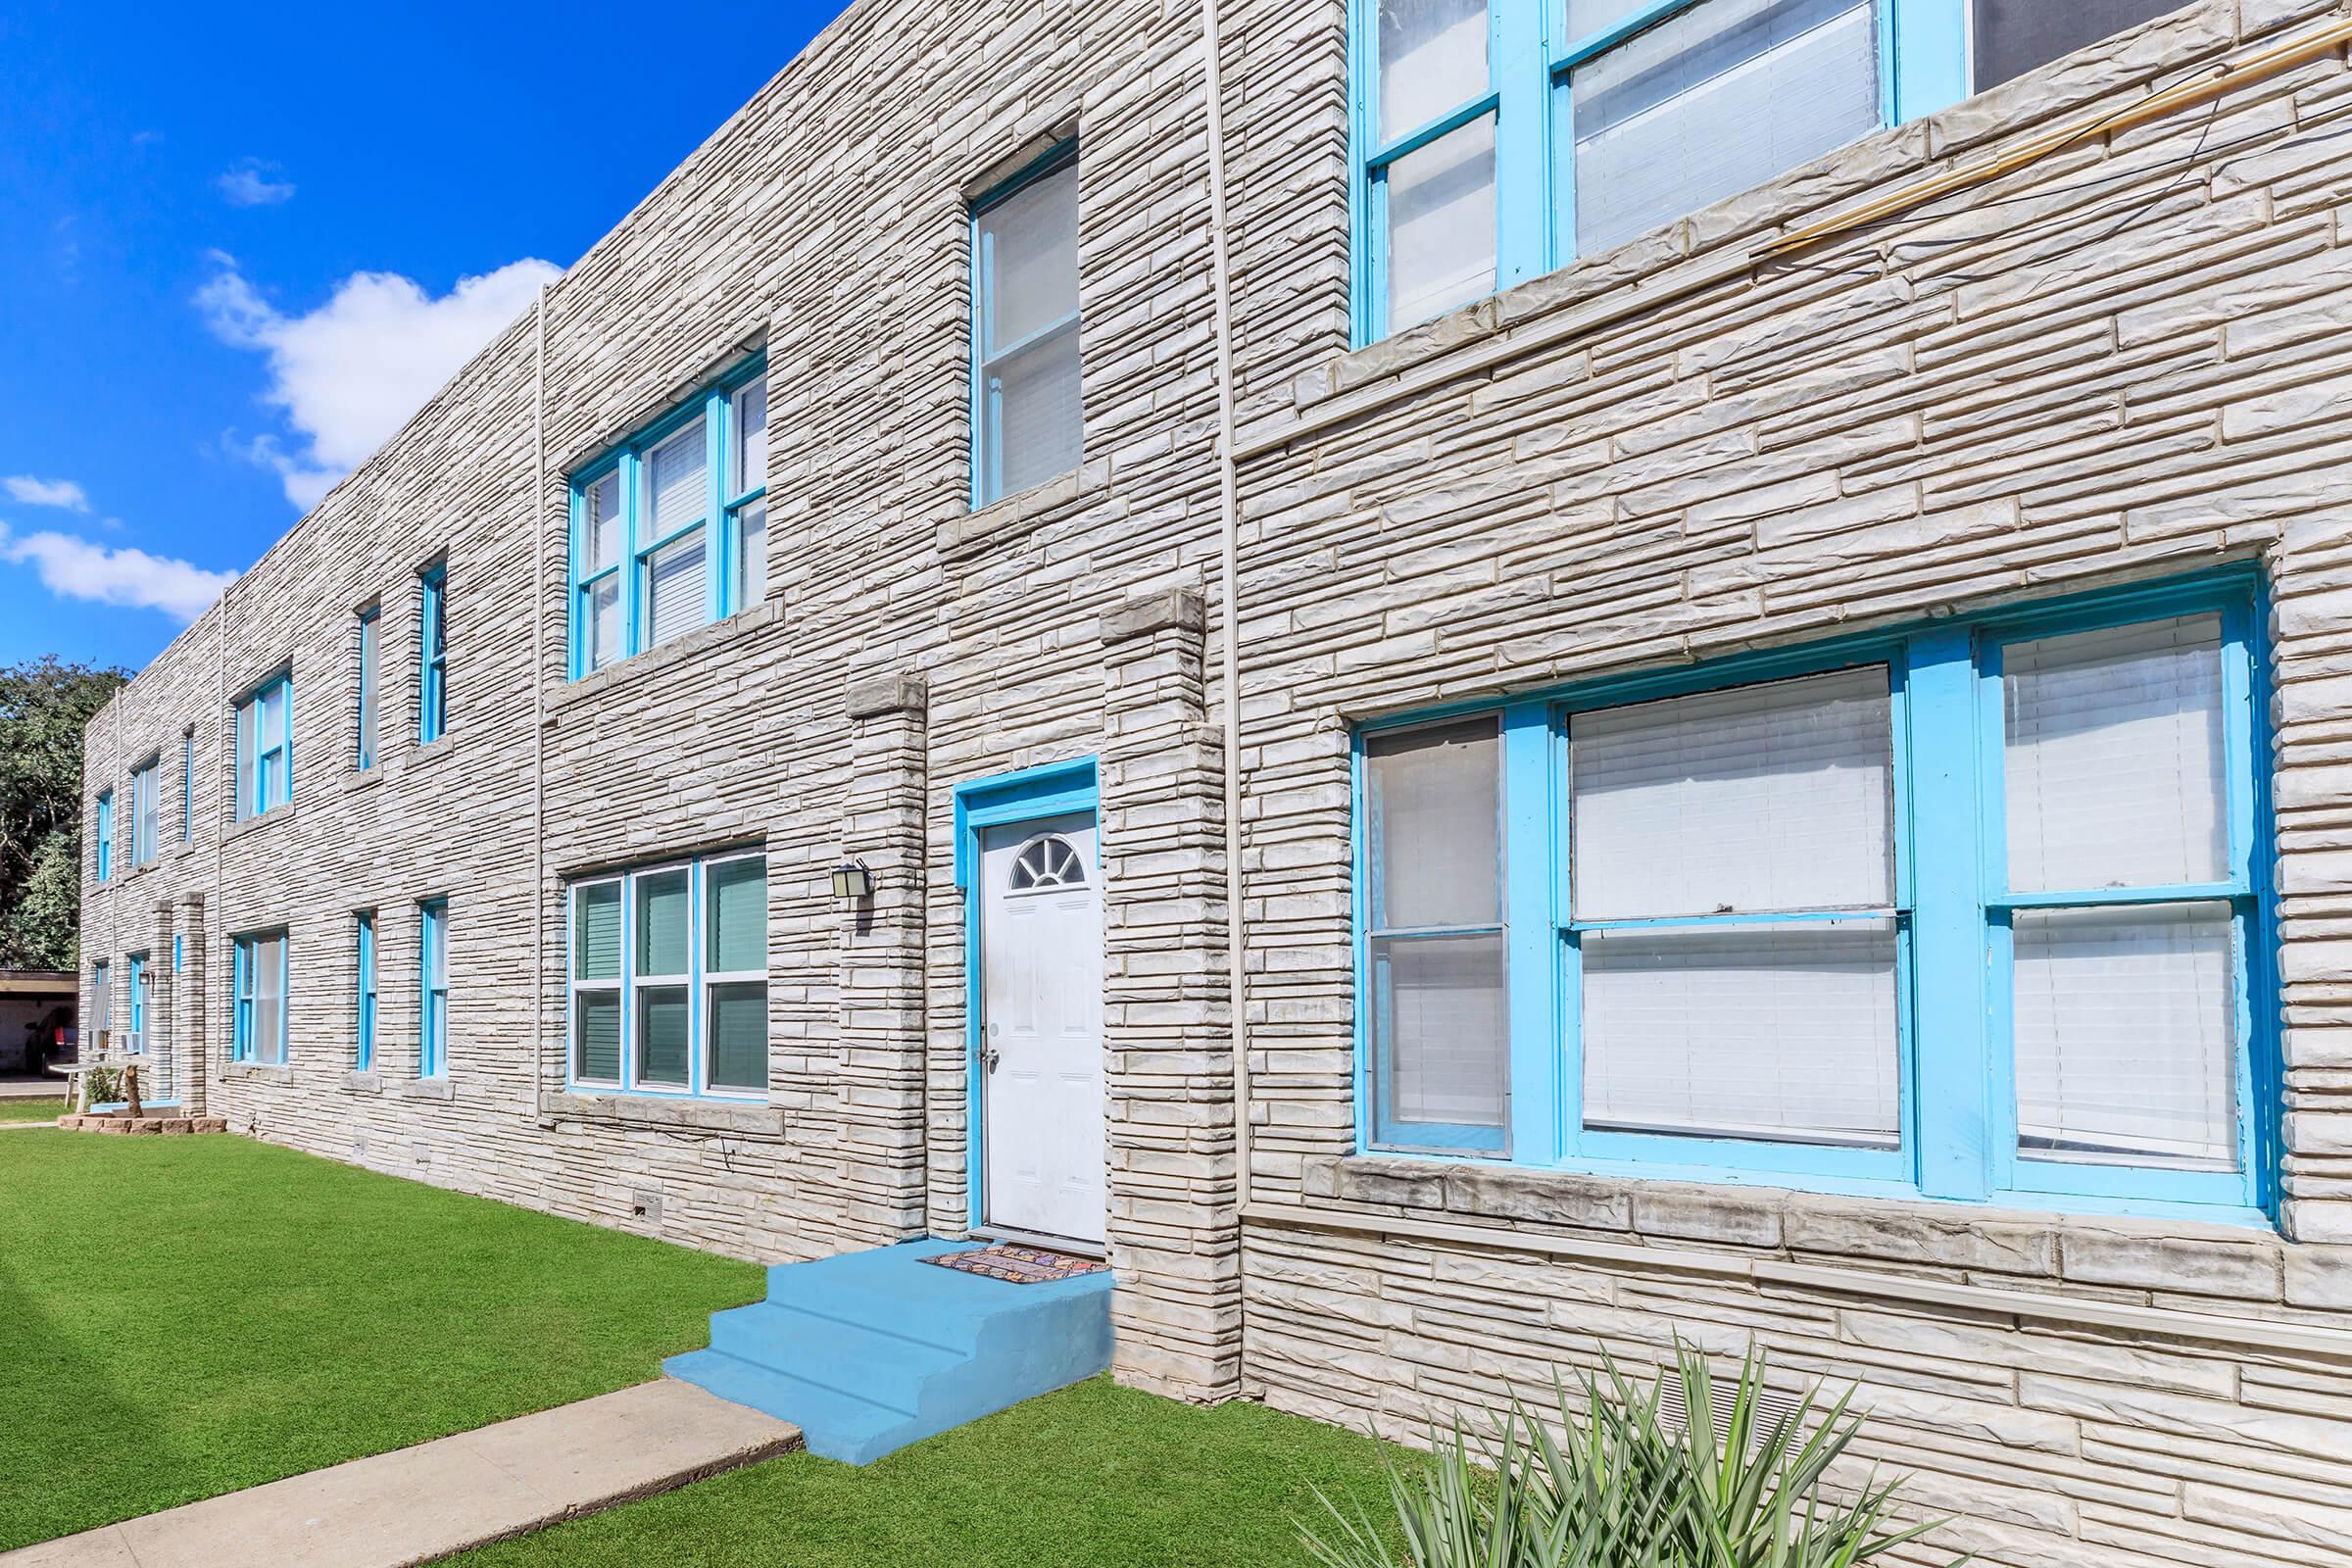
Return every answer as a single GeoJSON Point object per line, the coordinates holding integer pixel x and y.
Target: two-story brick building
{"type": "Point", "coordinates": [1586, 670]}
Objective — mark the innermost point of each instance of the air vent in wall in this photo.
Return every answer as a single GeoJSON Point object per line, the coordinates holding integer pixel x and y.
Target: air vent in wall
{"type": "Point", "coordinates": [1674, 1408]}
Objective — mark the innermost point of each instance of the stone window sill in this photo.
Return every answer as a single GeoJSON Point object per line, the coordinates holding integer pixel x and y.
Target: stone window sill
{"type": "Point", "coordinates": [661, 1110]}
{"type": "Point", "coordinates": [267, 1072]}
{"type": "Point", "coordinates": [637, 668]}
{"type": "Point", "coordinates": [252, 824]}
{"type": "Point", "coordinates": [439, 749]}
{"type": "Point", "coordinates": [424, 1089]}
{"type": "Point", "coordinates": [1006, 521]}
{"type": "Point", "coordinates": [363, 1083]}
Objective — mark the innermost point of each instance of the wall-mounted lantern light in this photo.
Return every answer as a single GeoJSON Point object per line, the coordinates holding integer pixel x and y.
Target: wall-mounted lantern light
{"type": "Point", "coordinates": [853, 883]}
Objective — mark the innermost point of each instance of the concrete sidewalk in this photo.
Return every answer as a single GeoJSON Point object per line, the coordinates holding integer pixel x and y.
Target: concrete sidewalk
{"type": "Point", "coordinates": [416, 1504]}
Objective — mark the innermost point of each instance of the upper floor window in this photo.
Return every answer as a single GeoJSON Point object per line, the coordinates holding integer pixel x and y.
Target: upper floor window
{"type": "Point", "coordinates": [432, 993]}
{"type": "Point", "coordinates": [1971, 911]}
{"type": "Point", "coordinates": [258, 1024]}
{"type": "Point", "coordinates": [146, 811]}
{"type": "Point", "coordinates": [187, 788]}
{"type": "Point", "coordinates": [432, 653]}
{"type": "Point", "coordinates": [1026, 425]}
{"type": "Point", "coordinates": [1497, 139]}
{"type": "Point", "coordinates": [105, 848]}
{"type": "Point", "coordinates": [669, 532]}
{"type": "Point", "coordinates": [365, 757]}
{"type": "Point", "coordinates": [265, 747]}
{"type": "Point", "coordinates": [669, 978]}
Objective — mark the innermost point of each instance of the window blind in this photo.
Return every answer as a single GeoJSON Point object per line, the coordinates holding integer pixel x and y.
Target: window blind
{"type": "Point", "coordinates": [2113, 756]}
{"type": "Point", "coordinates": [1772, 1030]}
{"type": "Point", "coordinates": [1040, 417]}
{"type": "Point", "coordinates": [2126, 1035]}
{"type": "Point", "coordinates": [596, 932]}
{"type": "Point", "coordinates": [750, 436]}
{"type": "Point", "coordinates": [1433, 58]}
{"type": "Point", "coordinates": [738, 934]}
{"type": "Point", "coordinates": [597, 1020]}
{"type": "Point", "coordinates": [676, 486]}
{"type": "Point", "coordinates": [601, 505]}
{"type": "Point", "coordinates": [1441, 1002]}
{"type": "Point", "coordinates": [663, 1025]}
{"type": "Point", "coordinates": [268, 962]}
{"type": "Point", "coordinates": [674, 590]}
{"type": "Point", "coordinates": [1771, 798]}
{"type": "Point", "coordinates": [751, 569]}
{"type": "Point", "coordinates": [1031, 241]}
{"type": "Point", "coordinates": [738, 1027]}
{"type": "Point", "coordinates": [663, 915]}
{"type": "Point", "coordinates": [1717, 99]}
{"type": "Point", "coordinates": [245, 793]}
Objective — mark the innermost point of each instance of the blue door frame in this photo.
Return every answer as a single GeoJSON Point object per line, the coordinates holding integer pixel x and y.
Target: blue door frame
{"type": "Point", "coordinates": [1052, 789]}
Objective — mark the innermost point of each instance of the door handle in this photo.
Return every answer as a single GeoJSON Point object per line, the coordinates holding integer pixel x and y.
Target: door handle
{"type": "Point", "coordinates": [990, 1057]}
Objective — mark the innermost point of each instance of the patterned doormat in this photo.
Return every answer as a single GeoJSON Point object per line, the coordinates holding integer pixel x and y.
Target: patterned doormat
{"type": "Point", "coordinates": [1018, 1265]}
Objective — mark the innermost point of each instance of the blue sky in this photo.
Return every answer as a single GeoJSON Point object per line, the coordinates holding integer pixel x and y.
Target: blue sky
{"type": "Point", "coordinates": [238, 245]}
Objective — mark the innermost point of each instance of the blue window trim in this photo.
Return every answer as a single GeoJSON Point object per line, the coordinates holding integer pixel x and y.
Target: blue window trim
{"type": "Point", "coordinates": [698, 1085]}
{"type": "Point", "coordinates": [137, 980]}
{"type": "Point", "coordinates": [1957, 1093]}
{"type": "Point", "coordinates": [721, 516]}
{"type": "Point", "coordinates": [187, 787]}
{"type": "Point", "coordinates": [178, 956]}
{"type": "Point", "coordinates": [249, 760]}
{"type": "Point", "coordinates": [432, 1000]}
{"type": "Point", "coordinates": [1051, 789]}
{"type": "Point", "coordinates": [1923, 52]}
{"type": "Point", "coordinates": [371, 695]}
{"type": "Point", "coordinates": [432, 652]}
{"type": "Point", "coordinates": [106, 835]}
{"type": "Point", "coordinates": [988, 457]}
{"type": "Point", "coordinates": [242, 978]}
{"type": "Point", "coordinates": [364, 996]}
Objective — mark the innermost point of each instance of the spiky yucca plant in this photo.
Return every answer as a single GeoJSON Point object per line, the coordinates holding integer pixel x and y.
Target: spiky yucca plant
{"type": "Point", "coordinates": [1610, 1485]}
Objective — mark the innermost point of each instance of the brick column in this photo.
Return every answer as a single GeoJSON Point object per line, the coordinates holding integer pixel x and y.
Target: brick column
{"type": "Point", "coordinates": [191, 1059]}
{"type": "Point", "coordinates": [880, 1150]}
{"type": "Point", "coordinates": [1166, 1010]}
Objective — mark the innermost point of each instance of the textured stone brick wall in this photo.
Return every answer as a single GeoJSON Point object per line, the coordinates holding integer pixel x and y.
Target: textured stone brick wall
{"type": "Point", "coordinates": [2124, 362]}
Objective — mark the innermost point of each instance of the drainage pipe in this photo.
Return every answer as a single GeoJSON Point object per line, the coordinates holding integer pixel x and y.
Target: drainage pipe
{"type": "Point", "coordinates": [538, 645]}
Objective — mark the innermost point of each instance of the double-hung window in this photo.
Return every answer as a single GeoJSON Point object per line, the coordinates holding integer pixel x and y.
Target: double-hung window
{"type": "Point", "coordinates": [1970, 912]}
{"type": "Point", "coordinates": [102, 997]}
{"type": "Point", "coordinates": [106, 835]}
{"type": "Point", "coordinates": [669, 979]}
{"type": "Point", "coordinates": [669, 531]}
{"type": "Point", "coordinates": [432, 988]}
{"type": "Point", "coordinates": [364, 757]}
{"type": "Point", "coordinates": [432, 653]}
{"type": "Point", "coordinates": [1027, 424]}
{"type": "Point", "coordinates": [187, 788]}
{"type": "Point", "coordinates": [259, 1010]}
{"type": "Point", "coordinates": [1496, 139]}
{"type": "Point", "coordinates": [135, 1042]}
{"type": "Point", "coordinates": [364, 988]}
{"type": "Point", "coordinates": [146, 811]}
{"type": "Point", "coordinates": [265, 746]}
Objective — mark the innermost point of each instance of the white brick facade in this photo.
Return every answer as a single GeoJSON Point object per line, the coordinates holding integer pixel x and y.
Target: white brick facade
{"type": "Point", "coordinates": [1661, 456]}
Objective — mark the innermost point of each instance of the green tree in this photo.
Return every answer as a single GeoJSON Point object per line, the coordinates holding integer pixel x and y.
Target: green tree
{"type": "Point", "coordinates": [43, 707]}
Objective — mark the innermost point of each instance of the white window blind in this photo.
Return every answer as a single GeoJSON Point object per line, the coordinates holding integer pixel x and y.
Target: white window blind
{"type": "Point", "coordinates": [2126, 1035]}
{"type": "Point", "coordinates": [676, 482]}
{"type": "Point", "coordinates": [1771, 1030]}
{"type": "Point", "coordinates": [751, 569]}
{"type": "Point", "coordinates": [1031, 240]}
{"type": "Point", "coordinates": [1032, 420]}
{"type": "Point", "coordinates": [749, 436]}
{"type": "Point", "coordinates": [1433, 803]}
{"type": "Point", "coordinates": [1715, 100]}
{"type": "Point", "coordinates": [1442, 225]}
{"type": "Point", "coordinates": [268, 962]}
{"type": "Point", "coordinates": [604, 621]}
{"type": "Point", "coordinates": [1761, 798]}
{"type": "Point", "coordinates": [2113, 758]}
{"type": "Point", "coordinates": [1037, 412]}
{"type": "Point", "coordinates": [1433, 60]}
{"type": "Point", "coordinates": [601, 503]}
{"type": "Point", "coordinates": [674, 588]}
{"type": "Point", "coordinates": [245, 795]}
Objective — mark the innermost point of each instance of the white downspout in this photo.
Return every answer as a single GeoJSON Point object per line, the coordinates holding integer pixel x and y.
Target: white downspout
{"type": "Point", "coordinates": [1220, 268]}
{"type": "Point", "coordinates": [538, 503]}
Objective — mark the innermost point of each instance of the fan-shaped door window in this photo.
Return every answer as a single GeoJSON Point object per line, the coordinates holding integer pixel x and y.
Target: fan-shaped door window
{"type": "Point", "coordinates": [1046, 863]}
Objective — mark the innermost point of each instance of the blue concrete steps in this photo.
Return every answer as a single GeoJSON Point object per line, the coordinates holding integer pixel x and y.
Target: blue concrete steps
{"type": "Point", "coordinates": [869, 1352]}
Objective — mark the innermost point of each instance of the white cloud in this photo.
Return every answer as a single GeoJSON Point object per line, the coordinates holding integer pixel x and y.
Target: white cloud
{"type": "Point", "coordinates": [349, 373]}
{"type": "Point", "coordinates": [28, 491]}
{"type": "Point", "coordinates": [75, 569]}
{"type": "Point", "coordinates": [246, 183]}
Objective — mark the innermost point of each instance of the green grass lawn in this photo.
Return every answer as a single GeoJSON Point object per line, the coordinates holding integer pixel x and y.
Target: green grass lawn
{"type": "Point", "coordinates": [1095, 1475]}
{"type": "Point", "coordinates": [14, 1110]}
{"type": "Point", "coordinates": [185, 1317]}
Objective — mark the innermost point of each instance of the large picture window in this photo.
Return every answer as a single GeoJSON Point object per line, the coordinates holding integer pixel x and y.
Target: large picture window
{"type": "Point", "coordinates": [1497, 139]}
{"type": "Point", "coordinates": [669, 531]}
{"type": "Point", "coordinates": [669, 979]}
{"type": "Point", "coordinates": [1970, 912]}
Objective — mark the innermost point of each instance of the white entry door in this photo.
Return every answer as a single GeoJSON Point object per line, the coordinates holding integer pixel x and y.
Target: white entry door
{"type": "Point", "coordinates": [1041, 1029]}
